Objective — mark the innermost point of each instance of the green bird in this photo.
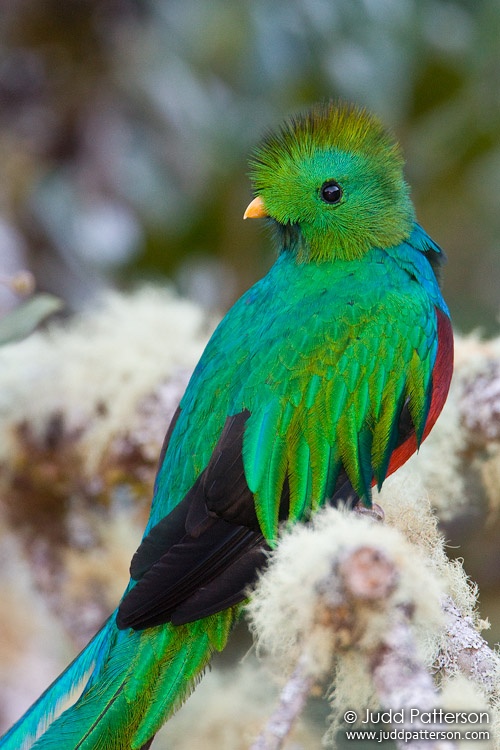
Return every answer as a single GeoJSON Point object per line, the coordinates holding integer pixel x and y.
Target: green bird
{"type": "Point", "coordinates": [321, 380]}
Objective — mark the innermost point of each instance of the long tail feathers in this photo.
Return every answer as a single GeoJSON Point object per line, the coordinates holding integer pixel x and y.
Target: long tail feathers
{"type": "Point", "coordinates": [139, 678]}
{"type": "Point", "coordinates": [41, 713]}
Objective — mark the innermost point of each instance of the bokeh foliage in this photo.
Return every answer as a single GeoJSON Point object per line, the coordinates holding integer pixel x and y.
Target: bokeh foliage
{"type": "Point", "coordinates": [125, 128]}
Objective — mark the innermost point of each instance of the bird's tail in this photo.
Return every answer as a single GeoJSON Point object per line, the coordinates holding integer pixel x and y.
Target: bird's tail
{"type": "Point", "coordinates": [41, 713]}
{"type": "Point", "coordinates": [137, 680]}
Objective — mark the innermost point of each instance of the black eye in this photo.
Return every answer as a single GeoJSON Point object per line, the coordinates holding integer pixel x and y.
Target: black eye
{"type": "Point", "coordinates": [331, 192]}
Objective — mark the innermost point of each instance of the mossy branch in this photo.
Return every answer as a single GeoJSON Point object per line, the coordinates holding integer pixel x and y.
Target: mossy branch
{"type": "Point", "coordinates": [291, 704]}
{"type": "Point", "coordinates": [379, 604]}
{"type": "Point", "coordinates": [465, 650]}
{"type": "Point", "coordinates": [361, 581]}
{"type": "Point", "coordinates": [480, 405]}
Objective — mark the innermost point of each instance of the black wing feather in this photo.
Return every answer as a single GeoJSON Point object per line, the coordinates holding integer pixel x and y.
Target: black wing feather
{"type": "Point", "coordinates": [202, 556]}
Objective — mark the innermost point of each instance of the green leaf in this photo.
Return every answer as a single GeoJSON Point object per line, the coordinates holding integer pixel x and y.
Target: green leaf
{"type": "Point", "coordinates": [23, 320]}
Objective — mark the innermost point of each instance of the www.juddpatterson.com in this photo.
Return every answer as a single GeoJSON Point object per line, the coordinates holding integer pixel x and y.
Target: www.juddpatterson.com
{"type": "Point", "coordinates": [442, 725]}
{"type": "Point", "coordinates": [409, 735]}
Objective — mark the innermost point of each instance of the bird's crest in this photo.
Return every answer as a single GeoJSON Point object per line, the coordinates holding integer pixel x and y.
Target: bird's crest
{"type": "Point", "coordinates": [325, 126]}
{"type": "Point", "coordinates": [347, 152]}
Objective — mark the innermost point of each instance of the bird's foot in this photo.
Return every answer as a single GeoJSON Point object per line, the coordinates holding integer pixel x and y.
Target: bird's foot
{"type": "Point", "coordinates": [376, 512]}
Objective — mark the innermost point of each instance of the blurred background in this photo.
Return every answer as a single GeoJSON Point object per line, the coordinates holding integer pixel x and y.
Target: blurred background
{"type": "Point", "coordinates": [125, 128]}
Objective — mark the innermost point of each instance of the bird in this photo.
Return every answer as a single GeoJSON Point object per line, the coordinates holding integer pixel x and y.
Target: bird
{"type": "Point", "coordinates": [320, 381]}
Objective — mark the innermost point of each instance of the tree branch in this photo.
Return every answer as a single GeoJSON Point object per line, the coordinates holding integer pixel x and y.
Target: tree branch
{"type": "Point", "coordinates": [293, 698]}
{"type": "Point", "coordinates": [360, 586]}
{"type": "Point", "coordinates": [403, 683]}
{"type": "Point", "coordinates": [465, 650]}
{"type": "Point", "coordinates": [480, 405]}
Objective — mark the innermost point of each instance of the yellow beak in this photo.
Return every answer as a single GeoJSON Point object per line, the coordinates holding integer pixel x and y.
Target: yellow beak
{"type": "Point", "coordinates": [256, 209]}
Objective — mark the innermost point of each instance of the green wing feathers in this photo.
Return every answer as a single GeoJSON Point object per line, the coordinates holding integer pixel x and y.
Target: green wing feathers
{"type": "Point", "coordinates": [323, 357]}
{"type": "Point", "coordinates": [350, 378]}
{"type": "Point", "coordinates": [350, 422]}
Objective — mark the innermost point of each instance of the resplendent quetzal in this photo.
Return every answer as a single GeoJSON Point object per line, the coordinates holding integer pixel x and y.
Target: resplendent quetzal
{"type": "Point", "coordinates": [319, 382]}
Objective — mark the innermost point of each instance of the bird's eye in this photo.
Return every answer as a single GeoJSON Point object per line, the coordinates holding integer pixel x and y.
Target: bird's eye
{"type": "Point", "coordinates": [331, 192]}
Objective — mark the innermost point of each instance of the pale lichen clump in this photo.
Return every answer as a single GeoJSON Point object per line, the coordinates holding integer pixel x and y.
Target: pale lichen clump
{"type": "Point", "coordinates": [93, 372]}
{"type": "Point", "coordinates": [330, 602]}
{"type": "Point", "coordinates": [308, 573]}
{"type": "Point", "coordinates": [408, 508]}
{"type": "Point", "coordinates": [84, 407]}
{"type": "Point", "coordinates": [377, 605]}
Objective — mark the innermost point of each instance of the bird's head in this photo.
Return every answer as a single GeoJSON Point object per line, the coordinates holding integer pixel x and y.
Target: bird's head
{"type": "Point", "coordinates": [331, 182]}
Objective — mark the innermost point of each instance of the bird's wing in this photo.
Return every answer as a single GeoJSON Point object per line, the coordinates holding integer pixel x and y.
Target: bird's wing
{"type": "Point", "coordinates": [343, 408]}
{"type": "Point", "coordinates": [272, 418]}
{"type": "Point", "coordinates": [203, 555]}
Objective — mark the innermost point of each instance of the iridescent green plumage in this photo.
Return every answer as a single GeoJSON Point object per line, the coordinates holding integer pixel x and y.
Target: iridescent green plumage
{"type": "Point", "coordinates": [313, 376]}
{"type": "Point", "coordinates": [322, 379]}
